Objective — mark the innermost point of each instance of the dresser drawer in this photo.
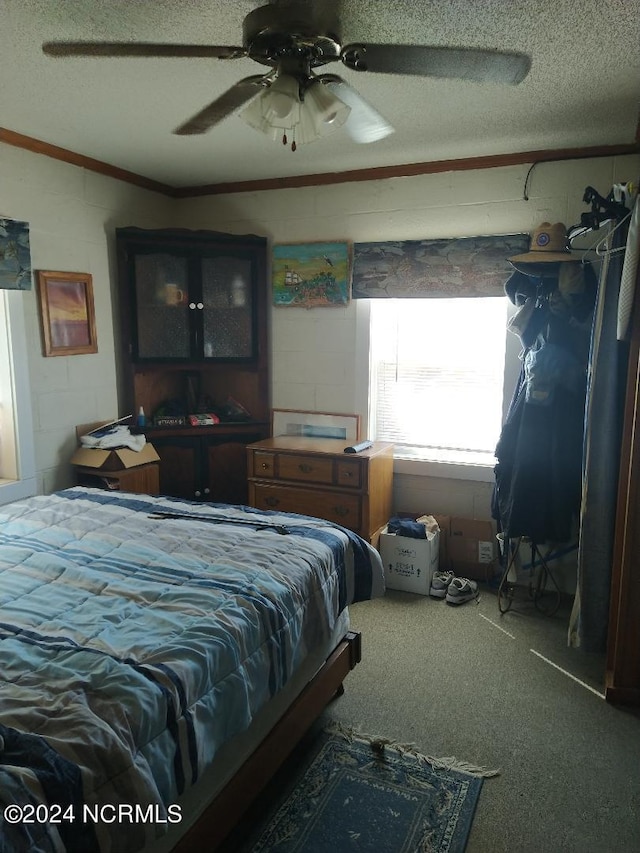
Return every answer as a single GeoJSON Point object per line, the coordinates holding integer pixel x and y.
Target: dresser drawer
{"type": "Point", "coordinates": [339, 507]}
{"type": "Point", "coordinates": [349, 474]}
{"type": "Point", "coordinates": [264, 463]}
{"type": "Point", "coordinates": [309, 469]}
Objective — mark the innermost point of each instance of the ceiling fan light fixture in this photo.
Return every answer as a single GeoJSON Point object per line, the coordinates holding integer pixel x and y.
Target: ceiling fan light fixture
{"type": "Point", "coordinates": [293, 111]}
{"type": "Point", "coordinates": [365, 124]}
{"type": "Point", "coordinates": [275, 107]}
{"type": "Point", "coordinates": [254, 116]}
{"type": "Point", "coordinates": [327, 111]}
{"type": "Point", "coordinates": [281, 101]}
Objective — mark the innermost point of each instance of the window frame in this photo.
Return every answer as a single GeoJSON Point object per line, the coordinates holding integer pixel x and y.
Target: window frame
{"type": "Point", "coordinates": [425, 467]}
{"type": "Point", "coordinates": [12, 326]}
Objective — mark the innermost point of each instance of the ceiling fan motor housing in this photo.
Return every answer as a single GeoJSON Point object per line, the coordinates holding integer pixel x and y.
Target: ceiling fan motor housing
{"type": "Point", "coordinates": [277, 35]}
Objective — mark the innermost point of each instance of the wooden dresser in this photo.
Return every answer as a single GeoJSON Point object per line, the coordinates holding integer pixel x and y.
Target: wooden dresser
{"type": "Point", "coordinates": [314, 476]}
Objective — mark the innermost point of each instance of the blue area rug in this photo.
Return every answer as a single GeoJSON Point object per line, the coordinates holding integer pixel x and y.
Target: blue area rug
{"type": "Point", "coordinates": [361, 794]}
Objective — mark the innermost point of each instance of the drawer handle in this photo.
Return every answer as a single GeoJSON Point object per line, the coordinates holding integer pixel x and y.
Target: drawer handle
{"type": "Point", "coordinates": [348, 473]}
{"type": "Point", "coordinates": [305, 468]}
{"type": "Point", "coordinates": [265, 465]}
{"type": "Point", "coordinates": [341, 511]}
{"type": "Point", "coordinates": [270, 501]}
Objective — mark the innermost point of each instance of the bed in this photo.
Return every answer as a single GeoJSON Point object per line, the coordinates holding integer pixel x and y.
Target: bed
{"type": "Point", "coordinates": [158, 660]}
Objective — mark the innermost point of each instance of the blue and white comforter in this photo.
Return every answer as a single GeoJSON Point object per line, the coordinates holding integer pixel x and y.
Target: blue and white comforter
{"type": "Point", "coordinates": [132, 648]}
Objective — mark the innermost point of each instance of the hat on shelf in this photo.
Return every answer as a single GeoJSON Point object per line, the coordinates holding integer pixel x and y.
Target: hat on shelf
{"type": "Point", "coordinates": [548, 245]}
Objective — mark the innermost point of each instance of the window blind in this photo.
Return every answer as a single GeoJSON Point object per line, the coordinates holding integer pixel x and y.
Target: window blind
{"type": "Point", "coordinates": [437, 376]}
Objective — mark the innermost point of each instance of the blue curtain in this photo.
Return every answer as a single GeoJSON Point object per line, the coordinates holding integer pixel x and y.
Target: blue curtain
{"type": "Point", "coordinates": [15, 255]}
{"type": "Point", "coordinates": [606, 383]}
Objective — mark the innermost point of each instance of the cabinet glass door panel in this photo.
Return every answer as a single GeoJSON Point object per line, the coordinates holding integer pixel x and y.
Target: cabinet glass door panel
{"type": "Point", "coordinates": [162, 306]}
{"type": "Point", "coordinates": [227, 314]}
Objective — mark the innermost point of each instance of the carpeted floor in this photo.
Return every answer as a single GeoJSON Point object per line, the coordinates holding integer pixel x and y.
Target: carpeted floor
{"type": "Point", "coordinates": [505, 692]}
{"type": "Point", "coordinates": [348, 792]}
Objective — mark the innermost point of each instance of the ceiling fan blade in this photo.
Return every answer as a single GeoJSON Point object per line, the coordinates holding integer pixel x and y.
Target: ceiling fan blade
{"type": "Point", "coordinates": [364, 123]}
{"type": "Point", "coordinates": [225, 105]}
{"type": "Point", "coordinates": [148, 49]}
{"type": "Point", "coordinates": [483, 66]}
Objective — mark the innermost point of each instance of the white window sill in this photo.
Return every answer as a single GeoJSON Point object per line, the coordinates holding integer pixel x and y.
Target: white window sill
{"type": "Point", "coordinates": [15, 490]}
{"type": "Point", "coordinates": [445, 470]}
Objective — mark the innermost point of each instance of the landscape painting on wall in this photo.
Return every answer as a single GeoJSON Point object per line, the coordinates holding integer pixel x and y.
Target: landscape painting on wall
{"type": "Point", "coordinates": [310, 275]}
{"type": "Point", "coordinates": [67, 313]}
{"type": "Point", "coordinates": [449, 268]}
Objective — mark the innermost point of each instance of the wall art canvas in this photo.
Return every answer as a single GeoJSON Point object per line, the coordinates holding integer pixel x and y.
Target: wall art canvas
{"type": "Point", "coordinates": [459, 266]}
{"type": "Point", "coordinates": [311, 275]}
{"type": "Point", "coordinates": [15, 255]}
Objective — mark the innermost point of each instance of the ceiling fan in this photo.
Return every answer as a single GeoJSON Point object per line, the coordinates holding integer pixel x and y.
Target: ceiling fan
{"type": "Point", "coordinates": [292, 40]}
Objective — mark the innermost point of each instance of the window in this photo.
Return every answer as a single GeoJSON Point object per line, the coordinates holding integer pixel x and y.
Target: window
{"type": "Point", "coordinates": [17, 467]}
{"type": "Point", "coordinates": [437, 371]}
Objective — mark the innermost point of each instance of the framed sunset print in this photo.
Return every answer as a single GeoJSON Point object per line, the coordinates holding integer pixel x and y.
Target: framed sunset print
{"type": "Point", "coordinates": [67, 313]}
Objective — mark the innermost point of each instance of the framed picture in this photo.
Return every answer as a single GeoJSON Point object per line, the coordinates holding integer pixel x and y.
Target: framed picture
{"type": "Point", "coordinates": [311, 275]}
{"type": "Point", "coordinates": [67, 313]}
{"type": "Point", "coordinates": [315, 424]}
{"type": "Point", "coordinates": [15, 255]}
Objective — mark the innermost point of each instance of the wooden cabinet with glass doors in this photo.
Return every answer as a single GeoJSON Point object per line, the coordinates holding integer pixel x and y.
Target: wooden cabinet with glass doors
{"type": "Point", "coordinates": [193, 309]}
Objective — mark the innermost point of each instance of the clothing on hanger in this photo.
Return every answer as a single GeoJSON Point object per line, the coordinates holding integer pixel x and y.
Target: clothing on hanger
{"type": "Point", "coordinates": [604, 210]}
{"type": "Point", "coordinates": [629, 273]}
{"type": "Point", "coordinates": [539, 454]}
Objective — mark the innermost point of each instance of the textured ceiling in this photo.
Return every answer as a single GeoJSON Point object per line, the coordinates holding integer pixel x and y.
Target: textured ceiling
{"type": "Point", "coordinates": [583, 88]}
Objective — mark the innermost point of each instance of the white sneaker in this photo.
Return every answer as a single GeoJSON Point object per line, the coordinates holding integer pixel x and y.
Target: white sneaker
{"type": "Point", "coordinates": [461, 590]}
{"type": "Point", "coordinates": [440, 583]}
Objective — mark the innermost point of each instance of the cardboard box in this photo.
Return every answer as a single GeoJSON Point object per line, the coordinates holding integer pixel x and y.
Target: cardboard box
{"type": "Point", "coordinates": [409, 563]}
{"type": "Point", "coordinates": [472, 548]}
{"type": "Point", "coordinates": [444, 523]}
{"type": "Point", "coordinates": [110, 460]}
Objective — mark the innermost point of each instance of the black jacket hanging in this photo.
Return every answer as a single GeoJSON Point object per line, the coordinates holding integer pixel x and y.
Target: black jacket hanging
{"type": "Point", "coordinates": [538, 485]}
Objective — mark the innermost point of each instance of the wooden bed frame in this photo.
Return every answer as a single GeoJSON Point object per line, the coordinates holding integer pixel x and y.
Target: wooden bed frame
{"type": "Point", "coordinates": [224, 813]}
